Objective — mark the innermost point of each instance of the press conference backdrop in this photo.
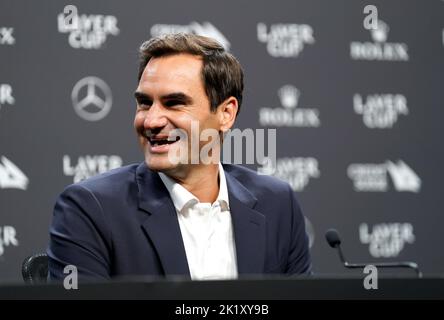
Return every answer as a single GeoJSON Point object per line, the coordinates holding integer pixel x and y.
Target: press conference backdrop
{"type": "Point", "coordinates": [358, 112]}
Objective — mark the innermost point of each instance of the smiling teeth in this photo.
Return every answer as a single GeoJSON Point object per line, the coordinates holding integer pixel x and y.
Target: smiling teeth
{"type": "Point", "coordinates": [172, 138]}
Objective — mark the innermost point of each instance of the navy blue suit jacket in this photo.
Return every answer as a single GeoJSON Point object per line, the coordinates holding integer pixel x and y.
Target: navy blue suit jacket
{"type": "Point", "coordinates": [123, 223]}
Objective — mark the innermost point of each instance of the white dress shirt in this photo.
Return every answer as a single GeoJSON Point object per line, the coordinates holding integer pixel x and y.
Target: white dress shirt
{"type": "Point", "coordinates": [207, 231]}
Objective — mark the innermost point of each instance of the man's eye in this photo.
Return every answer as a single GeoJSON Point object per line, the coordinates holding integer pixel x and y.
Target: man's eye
{"type": "Point", "coordinates": [145, 103]}
{"type": "Point", "coordinates": [172, 103]}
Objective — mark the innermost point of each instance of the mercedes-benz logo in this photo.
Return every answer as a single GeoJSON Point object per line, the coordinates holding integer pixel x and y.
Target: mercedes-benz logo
{"type": "Point", "coordinates": [92, 98]}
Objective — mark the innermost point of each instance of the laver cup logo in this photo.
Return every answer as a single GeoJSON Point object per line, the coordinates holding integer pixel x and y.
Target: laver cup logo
{"type": "Point", "coordinates": [89, 165]}
{"type": "Point", "coordinates": [297, 172]}
{"type": "Point", "coordinates": [386, 240]}
{"type": "Point", "coordinates": [87, 31]}
{"type": "Point", "coordinates": [285, 40]}
{"type": "Point", "coordinates": [380, 111]}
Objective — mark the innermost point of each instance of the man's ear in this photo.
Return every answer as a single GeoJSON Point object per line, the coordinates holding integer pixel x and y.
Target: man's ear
{"type": "Point", "coordinates": [227, 113]}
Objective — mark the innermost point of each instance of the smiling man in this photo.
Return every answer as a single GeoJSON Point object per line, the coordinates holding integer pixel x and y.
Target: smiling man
{"type": "Point", "coordinates": [198, 219]}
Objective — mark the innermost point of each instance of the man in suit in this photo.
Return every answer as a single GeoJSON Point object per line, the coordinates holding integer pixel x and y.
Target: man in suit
{"type": "Point", "coordinates": [171, 215]}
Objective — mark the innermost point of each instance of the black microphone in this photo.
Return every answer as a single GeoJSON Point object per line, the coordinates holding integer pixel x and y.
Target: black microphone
{"type": "Point", "coordinates": [333, 239]}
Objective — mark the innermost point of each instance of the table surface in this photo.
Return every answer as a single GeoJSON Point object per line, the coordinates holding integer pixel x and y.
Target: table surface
{"type": "Point", "coordinates": [244, 289]}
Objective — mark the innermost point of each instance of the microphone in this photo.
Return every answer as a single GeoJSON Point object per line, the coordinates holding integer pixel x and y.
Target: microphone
{"type": "Point", "coordinates": [333, 239]}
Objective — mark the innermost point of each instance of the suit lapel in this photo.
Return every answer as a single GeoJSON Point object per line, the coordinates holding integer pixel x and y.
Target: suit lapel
{"type": "Point", "coordinates": [161, 224]}
{"type": "Point", "coordinates": [249, 228]}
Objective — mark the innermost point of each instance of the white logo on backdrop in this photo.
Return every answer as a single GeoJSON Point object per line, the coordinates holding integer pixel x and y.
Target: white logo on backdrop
{"type": "Point", "coordinates": [289, 96]}
{"type": "Point", "coordinates": [88, 166]}
{"type": "Point", "coordinates": [295, 171]}
{"type": "Point", "coordinates": [285, 39]}
{"type": "Point", "coordinates": [6, 37]}
{"type": "Point", "coordinates": [403, 177]}
{"type": "Point", "coordinates": [203, 29]}
{"type": "Point", "coordinates": [11, 177]}
{"type": "Point", "coordinates": [6, 95]}
{"type": "Point", "coordinates": [8, 237]}
{"type": "Point", "coordinates": [380, 110]}
{"type": "Point", "coordinates": [386, 240]}
{"type": "Point", "coordinates": [87, 31]}
{"type": "Point", "coordinates": [374, 177]}
{"type": "Point", "coordinates": [379, 49]}
{"type": "Point", "coordinates": [380, 34]}
{"type": "Point", "coordinates": [289, 115]}
{"type": "Point", "coordinates": [92, 98]}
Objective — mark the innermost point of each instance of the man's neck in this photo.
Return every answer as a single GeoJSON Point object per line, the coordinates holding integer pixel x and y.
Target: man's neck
{"type": "Point", "coordinates": [202, 181]}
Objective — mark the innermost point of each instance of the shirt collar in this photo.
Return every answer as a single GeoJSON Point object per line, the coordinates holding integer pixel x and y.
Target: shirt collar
{"type": "Point", "coordinates": [183, 199]}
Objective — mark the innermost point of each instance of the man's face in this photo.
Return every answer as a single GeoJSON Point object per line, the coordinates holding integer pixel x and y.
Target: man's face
{"type": "Point", "coordinates": [170, 96]}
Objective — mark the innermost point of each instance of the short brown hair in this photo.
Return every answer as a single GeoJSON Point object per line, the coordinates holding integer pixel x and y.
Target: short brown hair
{"type": "Point", "coordinates": [222, 74]}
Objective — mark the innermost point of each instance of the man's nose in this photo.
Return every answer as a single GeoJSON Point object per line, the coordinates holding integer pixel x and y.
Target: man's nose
{"type": "Point", "coordinates": [155, 118]}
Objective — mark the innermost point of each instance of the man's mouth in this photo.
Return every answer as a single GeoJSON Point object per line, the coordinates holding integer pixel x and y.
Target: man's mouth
{"type": "Point", "coordinates": [160, 140]}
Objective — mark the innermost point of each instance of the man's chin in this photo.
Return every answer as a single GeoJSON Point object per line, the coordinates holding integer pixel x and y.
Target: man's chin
{"type": "Point", "coordinates": [158, 167]}
{"type": "Point", "coordinates": [159, 164]}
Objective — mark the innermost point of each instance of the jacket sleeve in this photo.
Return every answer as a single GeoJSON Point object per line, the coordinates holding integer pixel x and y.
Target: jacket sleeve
{"type": "Point", "coordinates": [79, 236]}
{"type": "Point", "coordinates": [299, 261]}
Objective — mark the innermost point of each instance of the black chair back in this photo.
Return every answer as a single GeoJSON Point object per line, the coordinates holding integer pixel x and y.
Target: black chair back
{"type": "Point", "coordinates": [35, 268]}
